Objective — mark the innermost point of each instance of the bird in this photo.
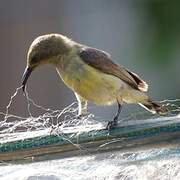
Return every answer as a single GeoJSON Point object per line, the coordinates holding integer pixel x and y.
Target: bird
{"type": "Point", "coordinates": [91, 74]}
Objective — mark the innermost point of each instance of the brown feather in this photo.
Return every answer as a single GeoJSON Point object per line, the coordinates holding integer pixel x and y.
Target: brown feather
{"type": "Point", "coordinates": [102, 61]}
{"type": "Point", "coordinates": [142, 85]}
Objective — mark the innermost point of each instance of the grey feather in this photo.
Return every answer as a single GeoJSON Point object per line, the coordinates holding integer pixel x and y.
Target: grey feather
{"type": "Point", "coordinates": [102, 61]}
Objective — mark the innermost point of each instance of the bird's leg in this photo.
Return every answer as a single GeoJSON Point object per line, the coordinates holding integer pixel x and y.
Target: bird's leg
{"type": "Point", "coordinates": [112, 124]}
{"type": "Point", "coordinates": [82, 106]}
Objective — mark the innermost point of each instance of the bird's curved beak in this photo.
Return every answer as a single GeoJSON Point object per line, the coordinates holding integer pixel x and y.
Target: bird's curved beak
{"type": "Point", "coordinates": [25, 76]}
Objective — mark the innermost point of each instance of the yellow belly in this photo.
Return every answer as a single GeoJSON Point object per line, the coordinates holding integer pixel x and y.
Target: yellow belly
{"type": "Point", "coordinates": [92, 84]}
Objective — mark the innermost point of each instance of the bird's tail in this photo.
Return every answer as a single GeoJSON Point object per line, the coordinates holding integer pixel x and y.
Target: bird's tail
{"type": "Point", "coordinates": [154, 107]}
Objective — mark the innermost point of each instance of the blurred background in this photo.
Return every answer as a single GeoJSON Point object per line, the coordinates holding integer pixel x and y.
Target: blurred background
{"type": "Point", "coordinates": [142, 35]}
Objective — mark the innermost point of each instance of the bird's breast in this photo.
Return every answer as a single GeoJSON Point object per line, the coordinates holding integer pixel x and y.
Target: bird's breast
{"type": "Point", "coordinates": [90, 83]}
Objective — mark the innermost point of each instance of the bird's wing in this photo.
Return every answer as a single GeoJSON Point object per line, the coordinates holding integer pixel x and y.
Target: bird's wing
{"type": "Point", "coordinates": [102, 61]}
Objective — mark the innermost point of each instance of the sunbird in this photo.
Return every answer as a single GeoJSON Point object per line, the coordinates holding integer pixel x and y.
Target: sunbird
{"type": "Point", "coordinates": [90, 73]}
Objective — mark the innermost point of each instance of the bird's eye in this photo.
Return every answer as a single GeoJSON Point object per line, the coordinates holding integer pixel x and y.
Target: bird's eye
{"type": "Point", "coordinates": [34, 59]}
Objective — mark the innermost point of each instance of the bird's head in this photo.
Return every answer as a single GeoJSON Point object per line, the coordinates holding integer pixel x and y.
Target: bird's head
{"type": "Point", "coordinates": [45, 50]}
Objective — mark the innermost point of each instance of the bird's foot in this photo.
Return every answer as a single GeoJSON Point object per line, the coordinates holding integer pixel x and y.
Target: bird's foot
{"type": "Point", "coordinates": [82, 116]}
{"type": "Point", "coordinates": [112, 124]}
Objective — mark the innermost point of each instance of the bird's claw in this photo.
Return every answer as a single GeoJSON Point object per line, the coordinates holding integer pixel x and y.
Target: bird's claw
{"type": "Point", "coordinates": [112, 124]}
{"type": "Point", "coordinates": [82, 116]}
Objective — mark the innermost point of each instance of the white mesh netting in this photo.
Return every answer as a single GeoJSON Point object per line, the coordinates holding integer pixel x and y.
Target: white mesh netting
{"type": "Point", "coordinates": [59, 119]}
